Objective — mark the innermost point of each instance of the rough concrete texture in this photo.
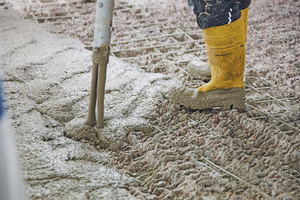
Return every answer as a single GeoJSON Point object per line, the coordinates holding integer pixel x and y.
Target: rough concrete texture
{"type": "Point", "coordinates": [47, 80]}
{"type": "Point", "coordinates": [131, 99]}
{"type": "Point", "coordinates": [212, 154]}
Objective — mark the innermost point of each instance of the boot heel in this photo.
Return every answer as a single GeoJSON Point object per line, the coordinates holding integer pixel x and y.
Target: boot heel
{"type": "Point", "coordinates": [233, 99]}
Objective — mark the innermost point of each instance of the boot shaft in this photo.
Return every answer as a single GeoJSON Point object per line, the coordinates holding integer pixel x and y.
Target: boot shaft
{"type": "Point", "coordinates": [225, 47]}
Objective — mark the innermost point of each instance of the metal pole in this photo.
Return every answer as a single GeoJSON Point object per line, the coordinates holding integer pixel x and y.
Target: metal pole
{"type": "Point", "coordinates": [101, 49]}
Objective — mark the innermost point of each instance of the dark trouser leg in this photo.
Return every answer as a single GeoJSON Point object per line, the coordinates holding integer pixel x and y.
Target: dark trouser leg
{"type": "Point", "coordinates": [217, 12]}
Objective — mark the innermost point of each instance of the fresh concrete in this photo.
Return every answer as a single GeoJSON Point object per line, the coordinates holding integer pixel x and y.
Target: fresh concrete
{"type": "Point", "coordinates": [47, 81]}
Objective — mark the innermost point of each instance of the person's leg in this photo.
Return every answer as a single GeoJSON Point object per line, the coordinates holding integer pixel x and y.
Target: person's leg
{"type": "Point", "coordinates": [225, 47]}
{"type": "Point", "coordinates": [224, 36]}
{"type": "Point", "coordinates": [223, 33]}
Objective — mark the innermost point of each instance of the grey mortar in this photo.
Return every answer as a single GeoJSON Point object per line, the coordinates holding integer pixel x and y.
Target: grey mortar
{"type": "Point", "coordinates": [47, 80]}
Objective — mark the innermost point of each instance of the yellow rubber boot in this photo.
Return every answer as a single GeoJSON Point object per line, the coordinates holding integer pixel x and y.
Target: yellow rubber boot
{"type": "Point", "coordinates": [225, 47]}
{"type": "Point", "coordinates": [244, 15]}
{"type": "Point", "coordinates": [226, 53]}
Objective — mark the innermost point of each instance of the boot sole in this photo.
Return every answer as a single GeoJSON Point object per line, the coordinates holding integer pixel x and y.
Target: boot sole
{"type": "Point", "coordinates": [233, 98]}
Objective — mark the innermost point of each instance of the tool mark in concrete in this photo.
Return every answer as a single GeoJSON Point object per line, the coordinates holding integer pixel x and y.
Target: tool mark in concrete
{"type": "Point", "coordinates": [33, 41]}
{"type": "Point", "coordinates": [7, 29]}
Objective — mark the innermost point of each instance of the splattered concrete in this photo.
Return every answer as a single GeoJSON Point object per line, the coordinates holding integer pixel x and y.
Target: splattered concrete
{"type": "Point", "coordinates": [47, 80]}
{"type": "Point", "coordinates": [35, 66]}
{"type": "Point", "coordinates": [212, 154]}
{"type": "Point", "coordinates": [131, 98]}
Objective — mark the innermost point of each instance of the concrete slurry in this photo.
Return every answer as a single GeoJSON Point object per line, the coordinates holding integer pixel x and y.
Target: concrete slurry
{"type": "Point", "coordinates": [47, 80]}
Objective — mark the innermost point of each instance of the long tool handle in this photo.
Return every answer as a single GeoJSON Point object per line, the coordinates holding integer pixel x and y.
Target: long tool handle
{"type": "Point", "coordinates": [91, 119]}
{"type": "Point", "coordinates": [101, 58]}
{"type": "Point", "coordinates": [100, 95]}
{"type": "Point", "coordinates": [103, 23]}
{"type": "Point", "coordinates": [101, 49]}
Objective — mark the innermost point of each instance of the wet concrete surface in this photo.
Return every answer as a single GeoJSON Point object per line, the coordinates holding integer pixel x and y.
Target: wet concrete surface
{"type": "Point", "coordinates": [194, 155]}
{"type": "Point", "coordinates": [47, 80]}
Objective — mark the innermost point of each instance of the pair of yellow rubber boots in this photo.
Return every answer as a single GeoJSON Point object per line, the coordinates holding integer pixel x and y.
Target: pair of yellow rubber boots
{"type": "Point", "coordinates": [226, 51]}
